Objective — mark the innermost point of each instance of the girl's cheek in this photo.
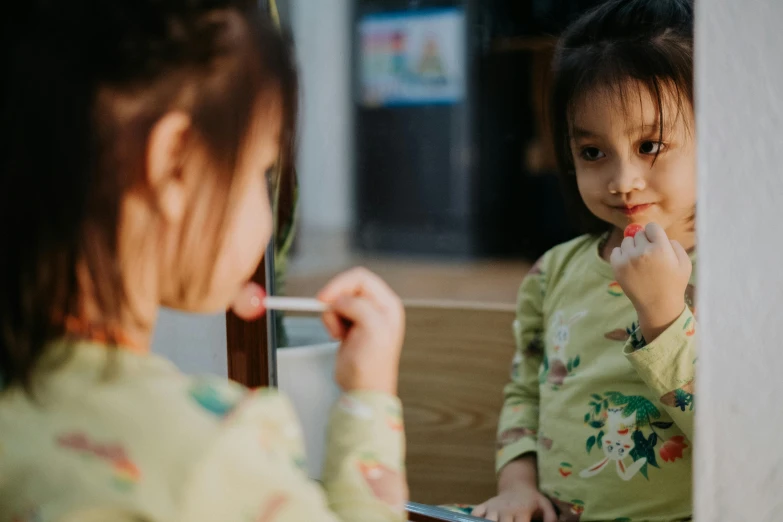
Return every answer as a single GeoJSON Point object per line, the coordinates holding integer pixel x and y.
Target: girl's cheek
{"type": "Point", "coordinates": [242, 250]}
{"type": "Point", "coordinates": [255, 223]}
{"type": "Point", "coordinates": [249, 228]}
{"type": "Point", "coordinates": [588, 184]}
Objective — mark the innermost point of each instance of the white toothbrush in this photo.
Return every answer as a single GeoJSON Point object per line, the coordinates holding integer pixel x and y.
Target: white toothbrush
{"type": "Point", "coordinates": [294, 304]}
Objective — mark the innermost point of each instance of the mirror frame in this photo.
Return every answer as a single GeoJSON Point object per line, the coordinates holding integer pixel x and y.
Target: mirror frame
{"type": "Point", "coordinates": [251, 346]}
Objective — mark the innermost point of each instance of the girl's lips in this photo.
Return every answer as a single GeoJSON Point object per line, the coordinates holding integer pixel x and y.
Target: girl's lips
{"type": "Point", "coordinates": [249, 303]}
{"type": "Point", "coordinates": [634, 209]}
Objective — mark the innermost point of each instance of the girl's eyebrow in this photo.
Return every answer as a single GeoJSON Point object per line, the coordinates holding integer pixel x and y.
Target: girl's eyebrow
{"type": "Point", "coordinates": [646, 127]}
{"type": "Point", "coordinates": [581, 132]}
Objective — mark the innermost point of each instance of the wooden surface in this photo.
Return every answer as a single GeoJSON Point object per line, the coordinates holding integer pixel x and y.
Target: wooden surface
{"type": "Point", "coordinates": [454, 365]}
{"type": "Point", "coordinates": [321, 258]}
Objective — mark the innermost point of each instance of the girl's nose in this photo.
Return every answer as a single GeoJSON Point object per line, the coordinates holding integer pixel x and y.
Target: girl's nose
{"type": "Point", "coordinates": [627, 178]}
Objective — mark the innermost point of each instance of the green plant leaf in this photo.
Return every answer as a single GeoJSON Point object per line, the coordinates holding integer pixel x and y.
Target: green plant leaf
{"type": "Point", "coordinates": [683, 399]}
{"type": "Point", "coordinates": [587, 417]}
{"type": "Point", "coordinates": [600, 439]}
{"type": "Point", "coordinates": [641, 446]}
{"type": "Point", "coordinates": [590, 443]}
{"type": "Point", "coordinates": [662, 425]}
{"type": "Point", "coordinates": [617, 398]}
{"type": "Point", "coordinates": [651, 459]}
{"type": "Point", "coordinates": [597, 424]}
{"type": "Point", "coordinates": [644, 409]}
{"type": "Point", "coordinates": [597, 397]}
{"type": "Point", "coordinates": [577, 361]}
{"type": "Point", "coordinates": [643, 471]}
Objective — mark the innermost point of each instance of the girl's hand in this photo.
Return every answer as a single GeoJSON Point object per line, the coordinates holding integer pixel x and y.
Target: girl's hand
{"type": "Point", "coordinates": [653, 272]}
{"type": "Point", "coordinates": [522, 504]}
{"type": "Point", "coordinates": [369, 319]}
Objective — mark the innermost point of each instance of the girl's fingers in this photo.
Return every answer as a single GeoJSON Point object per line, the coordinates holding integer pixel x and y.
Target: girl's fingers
{"type": "Point", "coordinates": [334, 325]}
{"type": "Point", "coordinates": [548, 510]}
{"type": "Point", "coordinates": [655, 233]}
{"type": "Point", "coordinates": [357, 282]}
{"type": "Point", "coordinates": [355, 310]}
{"type": "Point", "coordinates": [682, 255]}
{"type": "Point", "coordinates": [616, 257]}
{"type": "Point", "coordinates": [641, 240]}
{"type": "Point", "coordinates": [479, 511]}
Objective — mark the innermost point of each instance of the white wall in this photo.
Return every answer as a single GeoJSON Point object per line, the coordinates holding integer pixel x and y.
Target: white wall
{"type": "Point", "coordinates": [739, 473]}
{"type": "Point", "coordinates": [322, 33]}
{"type": "Point", "coordinates": [195, 343]}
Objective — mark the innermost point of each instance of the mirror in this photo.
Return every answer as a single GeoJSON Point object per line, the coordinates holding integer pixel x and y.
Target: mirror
{"type": "Point", "coordinates": [426, 156]}
{"type": "Point", "coordinates": [420, 175]}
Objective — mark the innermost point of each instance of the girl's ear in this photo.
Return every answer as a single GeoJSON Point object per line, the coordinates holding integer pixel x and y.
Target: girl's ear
{"type": "Point", "coordinates": [165, 161]}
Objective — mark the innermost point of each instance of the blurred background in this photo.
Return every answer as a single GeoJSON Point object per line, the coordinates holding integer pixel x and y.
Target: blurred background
{"type": "Point", "coordinates": [424, 149]}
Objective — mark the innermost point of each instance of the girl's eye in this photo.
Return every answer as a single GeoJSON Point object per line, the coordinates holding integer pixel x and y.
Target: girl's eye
{"type": "Point", "coordinates": [270, 176]}
{"type": "Point", "coordinates": [592, 154]}
{"type": "Point", "coordinates": [651, 147]}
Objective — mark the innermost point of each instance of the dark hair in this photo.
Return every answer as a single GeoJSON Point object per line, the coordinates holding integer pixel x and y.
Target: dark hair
{"type": "Point", "coordinates": [84, 83]}
{"type": "Point", "coordinates": [649, 41]}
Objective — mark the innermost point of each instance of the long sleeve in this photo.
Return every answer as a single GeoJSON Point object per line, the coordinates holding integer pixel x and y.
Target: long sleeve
{"type": "Point", "coordinates": [667, 366]}
{"type": "Point", "coordinates": [255, 470]}
{"type": "Point", "coordinates": [518, 427]}
{"type": "Point", "coordinates": [364, 474]}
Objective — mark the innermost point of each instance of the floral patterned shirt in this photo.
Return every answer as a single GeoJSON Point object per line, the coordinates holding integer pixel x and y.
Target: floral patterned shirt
{"type": "Point", "coordinates": [609, 416]}
{"type": "Point", "coordinates": [129, 437]}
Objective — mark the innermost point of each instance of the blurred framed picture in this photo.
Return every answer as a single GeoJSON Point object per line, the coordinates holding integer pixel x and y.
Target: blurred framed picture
{"type": "Point", "coordinates": [412, 57]}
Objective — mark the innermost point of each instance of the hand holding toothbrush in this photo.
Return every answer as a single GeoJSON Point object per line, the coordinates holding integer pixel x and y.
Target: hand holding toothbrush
{"type": "Point", "coordinates": [360, 310]}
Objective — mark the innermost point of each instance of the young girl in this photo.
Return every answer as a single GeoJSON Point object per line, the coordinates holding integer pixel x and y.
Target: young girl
{"type": "Point", "coordinates": [134, 176]}
{"type": "Point", "coordinates": [597, 422]}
